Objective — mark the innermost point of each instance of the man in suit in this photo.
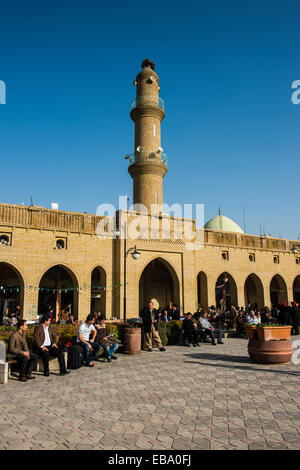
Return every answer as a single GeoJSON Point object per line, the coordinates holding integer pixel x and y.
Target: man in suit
{"type": "Point", "coordinates": [45, 341]}
{"type": "Point", "coordinates": [190, 333]}
{"type": "Point", "coordinates": [150, 322]}
{"type": "Point", "coordinates": [174, 314]}
{"type": "Point", "coordinates": [18, 349]}
{"type": "Point", "coordinates": [295, 318]}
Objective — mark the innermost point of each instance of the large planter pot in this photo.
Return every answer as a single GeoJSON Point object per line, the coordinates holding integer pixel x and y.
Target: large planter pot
{"type": "Point", "coordinates": [269, 333]}
{"type": "Point", "coordinates": [270, 352]}
{"type": "Point", "coordinates": [132, 341]}
{"type": "Point", "coordinates": [251, 331]}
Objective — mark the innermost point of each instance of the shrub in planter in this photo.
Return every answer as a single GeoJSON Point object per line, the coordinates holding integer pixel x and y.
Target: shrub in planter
{"type": "Point", "coordinates": [273, 331]}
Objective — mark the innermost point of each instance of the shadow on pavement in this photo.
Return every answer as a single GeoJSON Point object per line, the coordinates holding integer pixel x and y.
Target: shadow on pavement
{"type": "Point", "coordinates": [235, 359]}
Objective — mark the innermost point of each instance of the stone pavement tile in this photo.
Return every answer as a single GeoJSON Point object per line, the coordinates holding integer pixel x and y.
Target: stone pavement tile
{"type": "Point", "coordinates": [240, 445]}
{"type": "Point", "coordinates": [180, 444]}
{"type": "Point", "coordinates": [215, 445]}
{"type": "Point", "coordinates": [275, 445]}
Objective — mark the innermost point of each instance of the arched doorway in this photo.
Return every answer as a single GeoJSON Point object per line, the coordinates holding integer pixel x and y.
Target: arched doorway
{"type": "Point", "coordinates": [11, 291]}
{"type": "Point", "coordinates": [254, 292]}
{"type": "Point", "coordinates": [296, 290]}
{"type": "Point", "coordinates": [226, 291]}
{"type": "Point", "coordinates": [58, 290]}
{"type": "Point", "coordinates": [98, 290]}
{"type": "Point", "coordinates": [202, 290]}
{"type": "Point", "coordinates": [159, 283]}
{"type": "Point", "coordinates": [278, 290]}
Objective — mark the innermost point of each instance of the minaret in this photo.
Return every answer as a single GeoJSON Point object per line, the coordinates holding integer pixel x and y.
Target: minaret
{"type": "Point", "coordinates": [150, 163]}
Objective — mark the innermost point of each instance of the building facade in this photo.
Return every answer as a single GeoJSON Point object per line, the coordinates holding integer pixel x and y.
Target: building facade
{"type": "Point", "coordinates": [75, 262]}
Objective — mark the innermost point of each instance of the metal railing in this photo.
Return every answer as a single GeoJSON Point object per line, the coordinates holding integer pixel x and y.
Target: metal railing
{"type": "Point", "coordinates": [147, 157]}
{"type": "Point", "coordinates": [148, 100]}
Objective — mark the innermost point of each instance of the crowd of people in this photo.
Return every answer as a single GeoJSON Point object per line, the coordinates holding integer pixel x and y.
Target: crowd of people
{"type": "Point", "coordinates": [92, 334]}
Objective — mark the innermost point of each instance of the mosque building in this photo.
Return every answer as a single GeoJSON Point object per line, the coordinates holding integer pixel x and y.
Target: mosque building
{"type": "Point", "coordinates": [88, 263]}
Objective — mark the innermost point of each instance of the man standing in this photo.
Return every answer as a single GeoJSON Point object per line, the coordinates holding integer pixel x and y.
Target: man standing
{"type": "Point", "coordinates": [150, 322]}
{"type": "Point", "coordinates": [210, 330]}
{"type": "Point", "coordinates": [18, 349]}
{"type": "Point", "coordinates": [91, 349]}
{"type": "Point", "coordinates": [45, 340]}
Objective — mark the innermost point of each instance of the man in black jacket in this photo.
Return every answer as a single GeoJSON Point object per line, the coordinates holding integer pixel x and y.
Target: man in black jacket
{"type": "Point", "coordinates": [150, 322]}
{"type": "Point", "coordinates": [190, 333]}
{"type": "Point", "coordinates": [295, 318]}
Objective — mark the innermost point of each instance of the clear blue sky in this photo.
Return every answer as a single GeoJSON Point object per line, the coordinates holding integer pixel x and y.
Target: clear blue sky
{"type": "Point", "coordinates": [231, 132]}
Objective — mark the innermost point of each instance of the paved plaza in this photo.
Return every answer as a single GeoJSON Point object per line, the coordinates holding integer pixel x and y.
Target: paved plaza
{"type": "Point", "coordinates": [185, 398]}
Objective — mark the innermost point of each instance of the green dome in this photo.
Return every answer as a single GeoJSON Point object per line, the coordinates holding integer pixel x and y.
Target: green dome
{"type": "Point", "coordinates": [223, 224]}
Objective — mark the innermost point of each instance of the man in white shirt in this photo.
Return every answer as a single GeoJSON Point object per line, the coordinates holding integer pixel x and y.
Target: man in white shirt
{"type": "Point", "coordinates": [45, 341]}
{"type": "Point", "coordinates": [204, 323]}
{"type": "Point", "coordinates": [90, 348]}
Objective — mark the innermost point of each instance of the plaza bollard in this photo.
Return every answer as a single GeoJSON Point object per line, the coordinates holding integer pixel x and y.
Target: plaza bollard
{"type": "Point", "coordinates": [3, 364]}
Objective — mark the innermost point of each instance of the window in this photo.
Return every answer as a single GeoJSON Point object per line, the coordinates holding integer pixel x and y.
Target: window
{"type": "Point", "coordinates": [276, 259]}
{"type": "Point", "coordinates": [5, 239]}
{"type": "Point", "coordinates": [225, 255]}
{"type": "Point", "coordinates": [297, 260]}
{"type": "Point", "coordinates": [252, 257]}
{"type": "Point", "coordinates": [154, 130]}
{"type": "Point", "coordinates": [61, 243]}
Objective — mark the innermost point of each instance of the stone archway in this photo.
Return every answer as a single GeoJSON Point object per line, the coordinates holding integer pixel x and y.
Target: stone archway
{"type": "Point", "coordinates": [254, 292]}
{"type": "Point", "coordinates": [278, 290]}
{"type": "Point", "coordinates": [226, 291]}
{"type": "Point", "coordinates": [58, 290]}
{"type": "Point", "coordinates": [202, 295]}
{"type": "Point", "coordinates": [296, 290]}
{"type": "Point", "coordinates": [11, 290]}
{"type": "Point", "coordinates": [98, 290]}
{"type": "Point", "coordinates": [159, 283]}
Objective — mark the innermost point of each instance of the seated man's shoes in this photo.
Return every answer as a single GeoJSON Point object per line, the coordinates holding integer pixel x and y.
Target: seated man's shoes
{"type": "Point", "coordinates": [214, 344]}
{"type": "Point", "coordinates": [220, 342]}
{"type": "Point", "coordinates": [65, 373]}
{"type": "Point", "coordinates": [22, 379]}
{"type": "Point", "coordinates": [149, 350]}
{"type": "Point", "coordinates": [29, 377]}
{"type": "Point", "coordinates": [46, 374]}
{"type": "Point", "coordinates": [114, 357]}
{"type": "Point", "coordinates": [162, 349]}
{"type": "Point", "coordinates": [108, 360]}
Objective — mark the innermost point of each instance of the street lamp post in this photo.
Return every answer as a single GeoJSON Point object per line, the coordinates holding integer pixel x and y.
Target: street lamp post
{"type": "Point", "coordinates": [135, 255]}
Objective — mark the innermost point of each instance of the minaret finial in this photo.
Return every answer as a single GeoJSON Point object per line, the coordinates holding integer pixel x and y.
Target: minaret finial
{"type": "Point", "coordinates": [219, 210]}
{"type": "Point", "coordinates": [148, 63]}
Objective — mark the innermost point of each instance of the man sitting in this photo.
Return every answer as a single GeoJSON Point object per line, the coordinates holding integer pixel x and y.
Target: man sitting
{"type": "Point", "coordinates": [190, 333]}
{"type": "Point", "coordinates": [107, 342]}
{"type": "Point", "coordinates": [210, 330]}
{"type": "Point", "coordinates": [45, 341]}
{"type": "Point", "coordinates": [18, 349]}
{"type": "Point", "coordinates": [91, 349]}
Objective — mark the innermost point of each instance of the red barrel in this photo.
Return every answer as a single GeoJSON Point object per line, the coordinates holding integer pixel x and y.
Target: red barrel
{"type": "Point", "coordinates": [133, 341]}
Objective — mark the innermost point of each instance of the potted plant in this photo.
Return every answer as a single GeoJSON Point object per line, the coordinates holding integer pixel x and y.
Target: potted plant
{"type": "Point", "coordinates": [251, 331]}
{"type": "Point", "coordinates": [273, 331]}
